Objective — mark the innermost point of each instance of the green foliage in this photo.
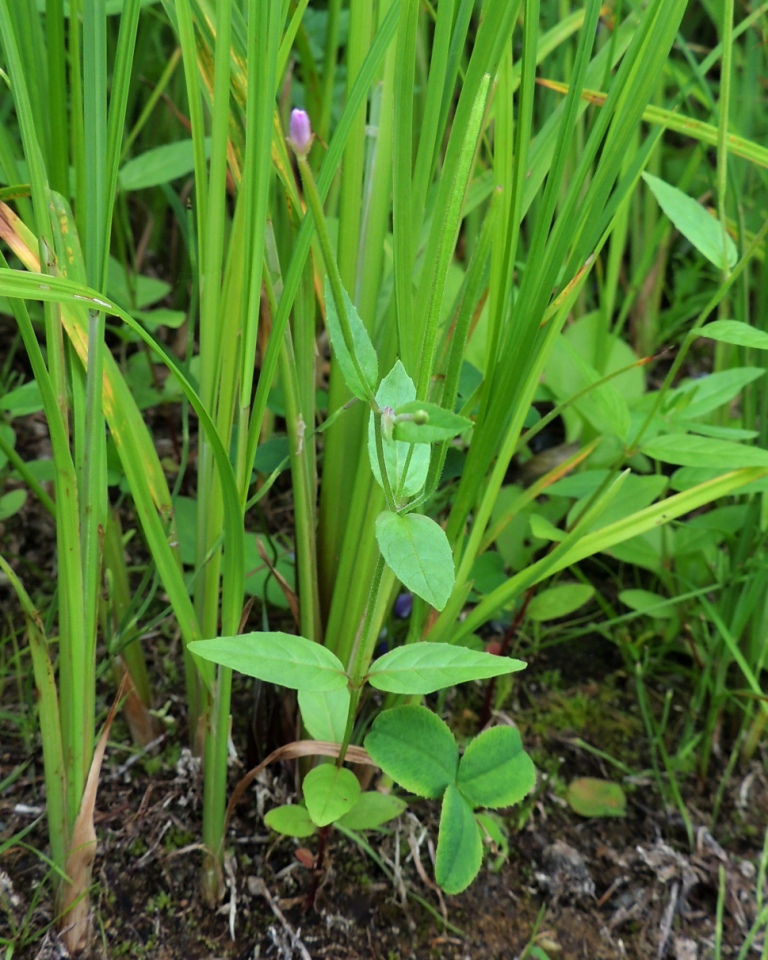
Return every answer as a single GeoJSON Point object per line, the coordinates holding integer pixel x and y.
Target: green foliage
{"type": "Point", "coordinates": [357, 360]}
{"type": "Point", "coordinates": [492, 242]}
{"type": "Point", "coordinates": [590, 797]}
{"type": "Point", "coordinates": [419, 752]}
{"type": "Point", "coordinates": [329, 793]}
{"type": "Point", "coordinates": [692, 220]}
{"type": "Point", "coordinates": [277, 658]}
{"type": "Point", "coordinates": [426, 667]}
{"type": "Point", "coordinates": [418, 552]}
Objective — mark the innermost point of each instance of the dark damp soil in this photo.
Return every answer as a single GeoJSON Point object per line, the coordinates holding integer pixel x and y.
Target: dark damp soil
{"type": "Point", "coordinates": [570, 887]}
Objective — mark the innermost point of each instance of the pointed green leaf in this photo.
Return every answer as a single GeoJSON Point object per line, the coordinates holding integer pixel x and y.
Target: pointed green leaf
{"type": "Point", "coordinates": [431, 423]}
{"type": "Point", "coordinates": [695, 398]}
{"type": "Point", "coordinates": [292, 820]}
{"type": "Point", "coordinates": [426, 667]}
{"type": "Point", "coordinates": [495, 771]}
{"type": "Point", "coordinates": [361, 343]}
{"type": "Point", "coordinates": [324, 713]}
{"type": "Point", "coordinates": [704, 231]}
{"type": "Point", "coordinates": [459, 844]}
{"type": "Point", "coordinates": [591, 797]}
{"type": "Point", "coordinates": [330, 792]}
{"type": "Point", "coordinates": [688, 451]}
{"type": "Point", "coordinates": [372, 810]}
{"type": "Point", "coordinates": [415, 748]}
{"type": "Point", "coordinates": [651, 603]}
{"type": "Point", "coordinates": [544, 529]}
{"type": "Point", "coordinates": [417, 550]}
{"type": "Point", "coordinates": [736, 332]}
{"type": "Point", "coordinates": [290, 661]}
{"type": "Point", "coordinates": [395, 390]}
{"type": "Point", "coordinates": [559, 601]}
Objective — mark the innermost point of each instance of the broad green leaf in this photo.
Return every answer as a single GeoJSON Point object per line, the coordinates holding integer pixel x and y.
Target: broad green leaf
{"type": "Point", "coordinates": [591, 797]}
{"type": "Point", "coordinates": [22, 400]}
{"type": "Point", "coordinates": [161, 317]}
{"type": "Point", "coordinates": [685, 450]}
{"type": "Point", "coordinates": [495, 771]}
{"type": "Point", "coordinates": [606, 354]}
{"type": "Point", "coordinates": [735, 332]}
{"type": "Point", "coordinates": [646, 602]}
{"type": "Point", "coordinates": [281, 658]}
{"type": "Point", "coordinates": [292, 820]}
{"type": "Point", "coordinates": [704, 231]}
{"type": "Point", "coordinates": [324, 713]}
{"type": "Point", "coordinates": [637, 493]}
{"type": "Point", "coordinates": [414, 747]}
{"type": "Point", "coordinates": [578, 485]}
{"type": "Point", "coordinates": [433, 423]}
{"type": "Point", "coordinates": [372, 810]}
{"type": "Point", "coordinates": [603, 406]}
{"type": "Point", "coordinates": [488, 572]}
{"type": "Point", "coordinates": [716, 431]}
{"type": "Point", "coordinates": [12, 502]}
{"type": "Point", "coordinates": [425, 667]}
{"type": "Point", "coordinates": [687, 477]}
{"type": "Point", "coordinates": [361, 344]}
{"type": "Point", "coordinates": [159, 165]}
{"type": "Point", "coordinates": [559, 601]}
{"type": "Point", "coordinates": [407, 465]}
{"type": "Point", "coordinates": [544, 529]}
{"type": "Point", "coordinates": [131, 290]}
{"type": "Point", "coordinates": [330, 792]}
{"type": "Point", "coordinates": [417, 550]}
{"type": "Point", "coordinates": [459, 844]}
{"type": "Point", "coordinates": [695, 398]}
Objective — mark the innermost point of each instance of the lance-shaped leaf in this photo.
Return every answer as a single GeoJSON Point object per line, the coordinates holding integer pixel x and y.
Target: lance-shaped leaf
{"type": "Point", "coordinates": [414, 747]}
{"type": "Point", "coordinates": [429, 424]}
{"type": "Point", "coordinates": [290, 661]}
{"type": "Point", "coordinates": [704, 231]}
{"type": "Point", "coordinates": [686, 450]}
{"type": "Point", "coordinates": [364, 352]}
{"type": "Point", "coordinates": [426, 667]}
{"type": "Point", "coordinates": [736, 332]}
{"type": "Point", "coordinates": [417, 550]}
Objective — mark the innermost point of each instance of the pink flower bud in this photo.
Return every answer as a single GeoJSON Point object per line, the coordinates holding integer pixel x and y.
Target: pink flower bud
{"type": "Point", "coordinates": [301, 133]}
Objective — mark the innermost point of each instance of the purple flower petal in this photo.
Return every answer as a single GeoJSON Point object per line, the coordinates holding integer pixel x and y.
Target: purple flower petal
{"type": "Point", "coordinates": [301, 132]}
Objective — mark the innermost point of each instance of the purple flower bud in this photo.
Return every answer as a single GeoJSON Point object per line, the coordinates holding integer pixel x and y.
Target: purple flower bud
{"type": "Point", "coordinates": [403, 606]}
{"type": "Point", "coordinates": [301, 133]}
